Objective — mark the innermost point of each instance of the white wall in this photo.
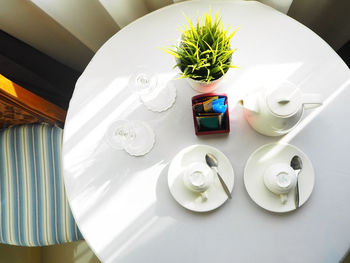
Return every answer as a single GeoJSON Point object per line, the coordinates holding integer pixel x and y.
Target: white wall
{"type": "Point", "coordinates": [23, 20]}
{"type": "Point", "coordinates": [88, 21]}
{"type": "Point", "coordinates": [281, 5]}
{"type": "Point", "coordinates": [126, 11]}
{"type": "Point", "coordinates": [330, 19]}
{"type": "Point", "coordinates": [71, 31]}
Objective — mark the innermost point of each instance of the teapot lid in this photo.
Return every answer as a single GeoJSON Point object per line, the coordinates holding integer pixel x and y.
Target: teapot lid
{"type": "Point", "coordinates": [284, 100]}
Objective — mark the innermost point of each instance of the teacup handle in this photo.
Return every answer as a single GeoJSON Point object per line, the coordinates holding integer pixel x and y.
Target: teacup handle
{"type": "Point", "coordinates": [283, 198]}
{"type": "Point", "coordinates": [311, 101]}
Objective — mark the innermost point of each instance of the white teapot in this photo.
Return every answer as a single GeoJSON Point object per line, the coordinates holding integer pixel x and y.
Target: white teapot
{"type": "Point", "coordinates": [276, 112]}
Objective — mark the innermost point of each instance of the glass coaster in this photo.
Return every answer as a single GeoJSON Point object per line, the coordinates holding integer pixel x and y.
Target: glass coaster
{"type": "Point", "coordinates": [144, 140]}
{"type": "Point", "coordinates": [155, 95]}
{"type": "Point", "coordinates": [161, 99]}
{"type": "Point", "coordinates": [135, 137]}
{"type": "Point", "coordinates": [120, 134]}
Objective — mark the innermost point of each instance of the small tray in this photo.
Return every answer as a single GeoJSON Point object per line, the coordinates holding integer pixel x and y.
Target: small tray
{"type": "Point", "coordinates": [225, 121]}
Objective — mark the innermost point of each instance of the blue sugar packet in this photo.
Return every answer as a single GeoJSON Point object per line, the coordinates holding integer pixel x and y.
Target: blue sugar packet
{"type": "Point", "coordinates": [220, 101]}
{"type": "Point", "coordinates": [219, 105]}
{"type": "Point", "coordinates": [219, 108]}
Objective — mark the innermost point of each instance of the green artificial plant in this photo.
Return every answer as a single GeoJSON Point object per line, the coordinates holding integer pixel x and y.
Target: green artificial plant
{"type": "Point", "coordinates": [204, 52]}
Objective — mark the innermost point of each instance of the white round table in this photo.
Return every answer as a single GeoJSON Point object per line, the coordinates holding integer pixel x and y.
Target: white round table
{"type": "Point", "coordinates": [122, 203]}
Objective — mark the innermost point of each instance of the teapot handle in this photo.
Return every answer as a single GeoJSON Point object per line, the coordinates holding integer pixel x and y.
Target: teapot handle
{"type": "Point", "coordinates": [311, 100]}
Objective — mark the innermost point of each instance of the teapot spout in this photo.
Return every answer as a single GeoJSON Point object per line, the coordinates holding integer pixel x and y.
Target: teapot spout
{"type": "Point", "coordinates": [250, 104]}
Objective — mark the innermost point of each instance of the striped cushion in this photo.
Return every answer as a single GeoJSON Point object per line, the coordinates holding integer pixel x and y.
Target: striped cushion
{"type": "Point", "coordinates": [34, 210]}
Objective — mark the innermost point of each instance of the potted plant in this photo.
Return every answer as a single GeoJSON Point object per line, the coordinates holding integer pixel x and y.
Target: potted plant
{"type": "Point", "coordinates": [204, 53]}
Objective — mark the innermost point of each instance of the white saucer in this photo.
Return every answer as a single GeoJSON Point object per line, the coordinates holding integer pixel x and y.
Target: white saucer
{"type": "Point", "coordinates": [216, 194]}
{"type": "Point", "coordinates": [260, 160]}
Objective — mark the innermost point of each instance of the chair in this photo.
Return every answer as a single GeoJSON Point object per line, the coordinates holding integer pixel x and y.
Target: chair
{"type": "Point", "coordinates": [33, 206]}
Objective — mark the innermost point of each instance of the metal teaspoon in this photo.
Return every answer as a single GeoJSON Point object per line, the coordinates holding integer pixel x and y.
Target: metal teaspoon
{"type": "Point", "coordinates": [213, 163]}
{"type": "Point", "coordinates": [297, 164]}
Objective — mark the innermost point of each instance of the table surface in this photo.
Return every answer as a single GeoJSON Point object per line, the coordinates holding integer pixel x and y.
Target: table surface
{"type": "Point", "coordinates": [122, 204]}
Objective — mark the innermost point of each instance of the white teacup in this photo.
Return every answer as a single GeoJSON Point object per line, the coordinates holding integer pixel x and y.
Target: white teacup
{"type": "Point", "coordinates": [198, 177]}
{"type": "Point", "coordinates": [280, 178]}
